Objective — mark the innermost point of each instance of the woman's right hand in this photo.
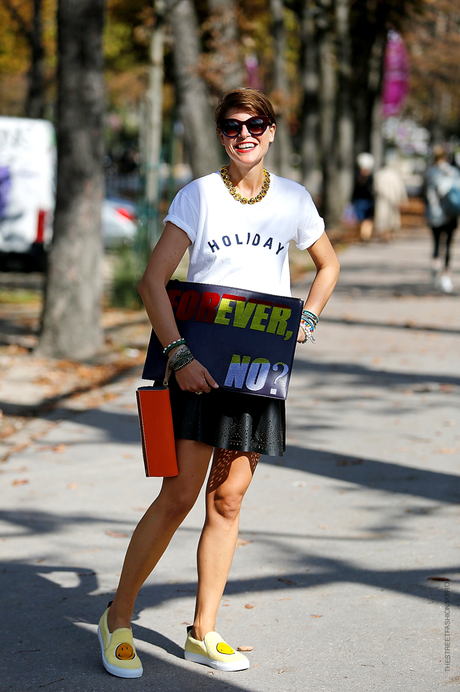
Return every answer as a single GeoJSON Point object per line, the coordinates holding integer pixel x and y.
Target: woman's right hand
{"type": "Point", "coordinates": [195, 378]}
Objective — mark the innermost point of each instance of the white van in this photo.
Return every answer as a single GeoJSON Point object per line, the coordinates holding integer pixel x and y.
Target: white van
{"type": "Point", "coordinates": [27, 190]}
{"type": "Point", "coordinates": [27, 197]}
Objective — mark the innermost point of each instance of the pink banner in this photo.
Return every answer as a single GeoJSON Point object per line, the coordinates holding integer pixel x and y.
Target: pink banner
{"type": "Point", "coordinates": [395, 75]}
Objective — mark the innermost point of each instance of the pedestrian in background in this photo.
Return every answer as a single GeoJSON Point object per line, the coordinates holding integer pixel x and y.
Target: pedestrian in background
{"type": "Point", "coordinates": [439, 179]}
{"type": "Point", "coordinates": [363, 195]}
{"type": "Point", "coordinates": [390, 196]}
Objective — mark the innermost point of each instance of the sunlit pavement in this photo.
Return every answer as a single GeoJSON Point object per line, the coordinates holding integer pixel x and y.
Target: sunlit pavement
{"type": "Point", "coordinates": [346, 575]}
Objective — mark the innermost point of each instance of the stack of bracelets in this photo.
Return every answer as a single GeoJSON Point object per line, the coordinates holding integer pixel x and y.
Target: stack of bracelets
{"type": "Point", "coordinates": [308, 323]}
{"type": "Point", "coordinates": [182, 356]}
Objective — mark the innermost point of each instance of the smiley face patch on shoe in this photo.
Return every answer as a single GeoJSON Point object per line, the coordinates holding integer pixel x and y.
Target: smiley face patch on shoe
{"type": "Point", "coordinates": [224, 648]}
{"type": "Point", "coordinates": [124, 652]}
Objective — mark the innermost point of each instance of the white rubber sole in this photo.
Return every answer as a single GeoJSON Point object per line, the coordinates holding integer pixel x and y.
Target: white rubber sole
{"type": "Point", "coordinates": [217, 665]}
{"type": "Point", "coordinates": [116, 670]}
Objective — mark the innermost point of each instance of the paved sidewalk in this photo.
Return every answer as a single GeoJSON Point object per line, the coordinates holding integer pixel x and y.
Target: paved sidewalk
{"type": "Point", "coordinates": [347, 570]}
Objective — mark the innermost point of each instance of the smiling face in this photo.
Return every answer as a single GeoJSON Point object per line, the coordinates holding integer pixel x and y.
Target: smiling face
{"type": "Point", "coordinates": [247, 150]}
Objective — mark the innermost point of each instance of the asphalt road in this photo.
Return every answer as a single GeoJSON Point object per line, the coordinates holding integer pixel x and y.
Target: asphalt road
{"type": "Point", "coordinates": [347, 573]}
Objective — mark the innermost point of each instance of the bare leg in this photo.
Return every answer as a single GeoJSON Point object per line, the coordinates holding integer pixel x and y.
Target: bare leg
{"type": "Point", "coordinates": [365, 229]}
{"type": "Point", "coordinates": [229, 479]}
{"type": "Point", "coordinates": [158, 525]}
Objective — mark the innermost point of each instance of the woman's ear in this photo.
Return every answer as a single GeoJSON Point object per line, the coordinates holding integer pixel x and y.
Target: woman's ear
{"type": "Point", "coordinates": [271, 134]}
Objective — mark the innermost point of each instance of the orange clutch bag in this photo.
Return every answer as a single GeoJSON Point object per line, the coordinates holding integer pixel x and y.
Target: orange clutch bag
{"type": "Point", "coordinates": [157, 432]}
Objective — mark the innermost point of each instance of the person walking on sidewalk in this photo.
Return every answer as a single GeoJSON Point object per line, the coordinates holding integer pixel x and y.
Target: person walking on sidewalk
{"type": "Point", "coordinates": [439, 179]}
{"type": "Point", "coordinates": [233, 429]}
{"type": "Point", "coordinates": [362, 197]}
{"type": "Point", "coordinates": [390, 196]}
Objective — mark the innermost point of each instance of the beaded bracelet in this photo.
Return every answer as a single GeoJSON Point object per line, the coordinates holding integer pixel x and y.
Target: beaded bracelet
{"type": "Point", "coordinates": [308, 331]}
{"type": "Point", "coordinates": [181, 358]}
{"type": "Point", "coordinates": [308, 324]}
{"type": "Point", "coordinates": [308, 313]}
{"type": "Point", "coordinates": [172, 345]}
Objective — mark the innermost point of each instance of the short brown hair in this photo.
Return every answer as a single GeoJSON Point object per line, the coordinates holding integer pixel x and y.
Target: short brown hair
{"type": "Point", "coordinates": [245, 99]}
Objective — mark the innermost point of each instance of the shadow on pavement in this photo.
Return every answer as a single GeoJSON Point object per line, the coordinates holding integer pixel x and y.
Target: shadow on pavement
{"type": "Point", "coordinates": [48, 639]}
{"type": "Point", "coordinates": [364, 376]}
{"type": "Point", "coordinates": [372, 473]}
{"type": "Point", "coordinates": [415, 327]}
{"type": "Point", "coordinates": [48, 633]}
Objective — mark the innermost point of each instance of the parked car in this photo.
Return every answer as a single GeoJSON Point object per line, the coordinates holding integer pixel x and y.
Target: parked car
{"type": "Point", "coordinates": [119, 222]}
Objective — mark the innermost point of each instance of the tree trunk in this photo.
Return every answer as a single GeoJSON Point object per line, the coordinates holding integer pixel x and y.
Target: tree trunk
{"type": "Point", "coordinates": [227, 56]}
{"type": "Point", "coordinates": [155, 119]}
{"type": "Point", "coordinates": [369, 31]}
{"type": "Point", "coordinates": [327, 98]}
{"type": "Point", "coordinates": [309, 148]}
{"type": "Point", "coordinates": [282, 148]}
{"type": "Point", "coordinates": [35, 105]}
{"type": "Point", "coordinates": [345, 125]}
{"type": "Point", "coordinates": [375, 89]}
{"type": "Point", "coordinates": [71, 316]}
{"type": "Point", "coordinates": [203, 147]}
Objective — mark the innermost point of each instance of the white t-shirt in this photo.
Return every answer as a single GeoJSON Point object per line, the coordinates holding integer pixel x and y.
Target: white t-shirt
{"type": "Point", "coordinates": [241, 245]}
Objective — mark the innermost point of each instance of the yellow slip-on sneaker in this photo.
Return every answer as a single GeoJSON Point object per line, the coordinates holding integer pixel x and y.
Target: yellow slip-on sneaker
{"type": "Point", "coordinates": [119, 656]}
{"type": "Point", "coordinates": [214, 652]}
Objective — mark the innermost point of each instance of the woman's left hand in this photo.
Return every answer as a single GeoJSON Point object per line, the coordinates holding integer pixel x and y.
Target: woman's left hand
{"type": "Point", "coordinates": [301, 338]}
{"type": "Point", "coordinates": [195, 378]}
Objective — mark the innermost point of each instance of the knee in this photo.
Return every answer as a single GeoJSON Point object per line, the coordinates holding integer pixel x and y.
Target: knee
{"type": "Point", "coordinates": [227, 506]}
{"type": "Point", "coordinates": [178, 504]}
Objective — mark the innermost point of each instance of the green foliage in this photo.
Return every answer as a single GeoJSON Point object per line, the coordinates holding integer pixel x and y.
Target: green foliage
{"type": "Point", "coordinates": [127, 272]}
{"type": "Point", "coordinates": [19, 297]}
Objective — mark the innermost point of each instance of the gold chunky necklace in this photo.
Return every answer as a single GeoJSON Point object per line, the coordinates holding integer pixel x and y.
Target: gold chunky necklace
{"type": "Point", "coordinates": [236, 195]}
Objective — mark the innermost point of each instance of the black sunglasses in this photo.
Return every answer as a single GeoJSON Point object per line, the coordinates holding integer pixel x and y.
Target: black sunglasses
{"type": "Point", "coordinates": [256, 126]}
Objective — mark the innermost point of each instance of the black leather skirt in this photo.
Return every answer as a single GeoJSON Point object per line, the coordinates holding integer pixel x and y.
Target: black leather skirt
{"type": "Point", "coordinates": [230, 420]}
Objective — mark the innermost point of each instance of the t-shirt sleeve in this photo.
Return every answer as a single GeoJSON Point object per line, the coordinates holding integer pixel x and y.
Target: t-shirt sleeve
{"type": "Point", "coordinates": [310, 225]}
{"type": "Point", "coordinates": [183, 212]}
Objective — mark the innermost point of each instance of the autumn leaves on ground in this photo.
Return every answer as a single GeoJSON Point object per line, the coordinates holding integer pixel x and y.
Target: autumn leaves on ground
{"type": "Point", "coordinates": [31, 386]}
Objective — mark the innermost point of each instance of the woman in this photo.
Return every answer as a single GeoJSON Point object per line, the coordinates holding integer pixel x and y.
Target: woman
{"type": "Point", "coordinates": [439, 179]}
{"type": "Point", "coordinates": [215, 218]}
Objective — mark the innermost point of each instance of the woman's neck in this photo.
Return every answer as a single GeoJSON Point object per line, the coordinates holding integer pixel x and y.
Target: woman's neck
{"type": "Point", "coordinates": [248, 182]}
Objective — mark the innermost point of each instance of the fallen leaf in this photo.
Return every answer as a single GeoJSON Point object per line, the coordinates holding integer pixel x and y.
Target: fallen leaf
{"type": "Point", "coordinates": [72, 486]}
{"type": "Point", "coordinates": [446, 450]}
{"type": "Point", "coordinates": [115, 534]}
{"type": "Point", "coordinates": [317, 616]}
{"type": "Point", "coordinates": [20, 481]}
{"type": "Point", "coordinates": [245, 648]}
{"type": "Point", "coordinates": [59, 448]}
{"type": "Point", "coordinates": [439, 578]}
{"type": "Point", "coordinates": [241, 541]}
{"type": "Point", "coordinates": [287, 581]}
{"type": "Point", "coordinates": [249, 606]}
